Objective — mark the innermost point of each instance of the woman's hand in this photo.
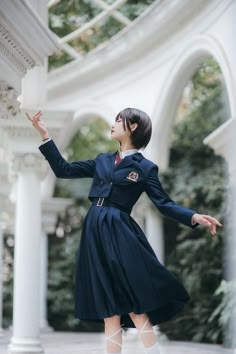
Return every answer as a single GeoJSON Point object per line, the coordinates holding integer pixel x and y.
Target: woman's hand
{"type": "Point", "coordinates": [38, 124]}
{"type": "Point", "coordinates": [206, 220]}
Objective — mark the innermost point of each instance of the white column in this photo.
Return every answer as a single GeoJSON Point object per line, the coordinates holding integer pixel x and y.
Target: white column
{"type": "Point", "coordinates": [154, 232]}
{"type": "Point", "coordinates": [223, 141]}
{"type": "Point", "coordinates": [26, 300]}
{"type": "Point", "coordinates": [34, 84]}
{"type": "Point", "coordinates": [230, 245]}
{"type": "Point", "coordinates": [44, 283]}
{"type": "Point", "coordinates": [151, 223]}
{"type": "Point", "coordinates": [1, 277]}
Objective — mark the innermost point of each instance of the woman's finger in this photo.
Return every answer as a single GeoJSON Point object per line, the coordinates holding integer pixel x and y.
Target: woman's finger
{"type": "Point", "coordinates": [204, 221]}
{"type": "Point", "coordinates": [36, 119]}
{"type": "Point", "coordinates": [212, 219]}
{"type": "Point", "coordinates": [214, 229]}
{"type": "Point", "coordinates": [209, 221]}
{"type": "Point", "coordinates": [37, 116]}
{"type": "Point", "coordinates": [32, 119]}
{"type": "Point", "coordinates": [28, 116]}
{"type": "Point", "coordinates": [217, 222]}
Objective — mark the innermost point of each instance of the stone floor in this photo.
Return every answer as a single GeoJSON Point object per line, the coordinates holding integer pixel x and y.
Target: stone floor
{"type": "Point", "coordinates": [93, 343]}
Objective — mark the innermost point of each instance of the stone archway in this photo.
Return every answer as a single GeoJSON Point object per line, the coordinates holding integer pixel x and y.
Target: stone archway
{"type": "Point", "coordinates": [184, 66]}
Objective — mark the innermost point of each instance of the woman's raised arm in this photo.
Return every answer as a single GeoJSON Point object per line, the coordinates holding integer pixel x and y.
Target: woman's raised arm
{"type": "Point", "coordinates": [60, 167]}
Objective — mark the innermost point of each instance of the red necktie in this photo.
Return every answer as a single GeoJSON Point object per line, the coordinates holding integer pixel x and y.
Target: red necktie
{"type": "Point", "coordinates": [118, 159]}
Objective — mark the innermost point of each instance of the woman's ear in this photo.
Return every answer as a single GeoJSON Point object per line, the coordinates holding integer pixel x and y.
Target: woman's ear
{"type": "Point", "coordinates": [133, 126]}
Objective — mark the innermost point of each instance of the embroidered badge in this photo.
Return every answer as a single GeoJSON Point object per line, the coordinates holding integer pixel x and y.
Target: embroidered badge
{"type": "Point", "coordinates": [133, 176]}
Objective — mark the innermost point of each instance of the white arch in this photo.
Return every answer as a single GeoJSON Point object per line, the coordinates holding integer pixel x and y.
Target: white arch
{"type": "Point", "coordinates": [193, 53]}
{"type": "Point", "coordinates": [85, 112]}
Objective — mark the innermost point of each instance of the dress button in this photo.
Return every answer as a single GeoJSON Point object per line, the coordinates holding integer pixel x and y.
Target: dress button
{"type": "Point", "coordinates": [110, 183]}
{"type": "Point", "coordinates": [101, 182]}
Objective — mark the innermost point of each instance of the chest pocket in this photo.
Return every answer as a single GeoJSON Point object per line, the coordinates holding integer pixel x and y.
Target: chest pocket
{"type": "Point", "coordinates": [128, 177]}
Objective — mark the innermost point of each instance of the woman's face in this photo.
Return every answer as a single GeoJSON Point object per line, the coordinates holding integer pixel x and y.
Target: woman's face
{"type": "Point", "coordinates": [119, 133]}
{"type": "Point", "coordinates": [117, 130]}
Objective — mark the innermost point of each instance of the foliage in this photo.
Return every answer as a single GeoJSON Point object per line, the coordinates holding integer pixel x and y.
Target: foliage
{"type": "Point", "coordinates": [227, 308]}
{"type": "Point", "coordinates": [196, 180]}
{"type": "Point", "coordinates": [67, 16]}
{"type": "Point", "coordinates": [8, 260]}
{"type": "Point", "coordinates": [62, 255]}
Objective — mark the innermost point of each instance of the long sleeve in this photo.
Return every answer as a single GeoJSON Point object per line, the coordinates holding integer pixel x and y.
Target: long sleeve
{"type": "Point", "coordinates": [62, 168]}
{"type": "Point", "coordinates": [164, 203]}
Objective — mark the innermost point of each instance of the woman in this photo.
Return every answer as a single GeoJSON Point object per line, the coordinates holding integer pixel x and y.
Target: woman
{"type": "Point", "coordinates": [119, 279]}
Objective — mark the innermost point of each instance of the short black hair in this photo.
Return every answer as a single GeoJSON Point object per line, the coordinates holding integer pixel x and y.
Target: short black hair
{"type": "Point", "coordinates": [141, 136]}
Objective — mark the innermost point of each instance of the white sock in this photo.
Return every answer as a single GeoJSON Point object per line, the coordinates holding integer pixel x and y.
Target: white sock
{"type": "Point", "coordinates": [154, 349]}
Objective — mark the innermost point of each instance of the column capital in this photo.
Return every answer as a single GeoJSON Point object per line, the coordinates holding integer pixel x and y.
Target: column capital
{"type": "Point", "coordinates": [27, 163]}
{"type": "Point", "coordinates": [222, 141]}
{"type": "Point", "coordinates": [9, 106]}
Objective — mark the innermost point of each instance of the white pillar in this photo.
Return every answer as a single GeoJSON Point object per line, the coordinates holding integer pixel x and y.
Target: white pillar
{"type": "Point", "coordinates": [223, 141]}
{"type": "Point", "coordinates": [1, 278]}
{"type": "Point", "coordinates": [230, 245]}
{"type": "Point", "coordinates": [154, 232]}
{"type": "Point", "coordinates": [44, 283]}
{"type": "Point", "coordinates": [34, 84]}
{"type": "Point", "coordinates": [26, 300]}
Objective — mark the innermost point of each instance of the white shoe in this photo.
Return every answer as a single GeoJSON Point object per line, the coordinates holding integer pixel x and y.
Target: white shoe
{"type": "Point", "coordinates": [154, 349]}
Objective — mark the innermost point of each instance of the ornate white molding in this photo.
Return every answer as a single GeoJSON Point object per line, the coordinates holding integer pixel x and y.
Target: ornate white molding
{"type": "Point", "coordinates": [18, 135]}
{"type": "Point", "coordinates": [9, 106]}
{"type": "Point", "coordinates": [222, 141]}
{"type": "Point", "coordinates": [34, 41]}
{"type": "Point", "coordinates": [14, 53]}
{"type": "Point", "coordinates": [27, 163]}
{"type": "Point", "coordinates": [5, 187]}
{"type": "Point", "coordinates": [7, 214]}
{"type": "Point", "coordinates": [25, 40]}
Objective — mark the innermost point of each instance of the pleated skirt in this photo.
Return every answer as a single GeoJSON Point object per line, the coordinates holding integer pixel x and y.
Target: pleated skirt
{"type": "Point", "coordinates": [117, 272]}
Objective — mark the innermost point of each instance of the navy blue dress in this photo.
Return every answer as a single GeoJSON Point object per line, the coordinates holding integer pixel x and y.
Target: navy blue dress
{"type": "Point", "coordinates": [117, 271]}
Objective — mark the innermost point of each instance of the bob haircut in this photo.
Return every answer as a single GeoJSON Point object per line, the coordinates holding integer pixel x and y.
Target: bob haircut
{"type": "Point", "coordinates": [141, 136]}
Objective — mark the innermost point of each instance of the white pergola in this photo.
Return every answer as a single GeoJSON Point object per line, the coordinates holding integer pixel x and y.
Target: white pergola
{"type": "Point", "coordinates": [146, 65]}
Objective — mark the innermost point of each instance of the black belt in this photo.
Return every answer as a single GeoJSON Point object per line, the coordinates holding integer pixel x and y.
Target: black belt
{"type": "Point", "coordinates": [100, 202]}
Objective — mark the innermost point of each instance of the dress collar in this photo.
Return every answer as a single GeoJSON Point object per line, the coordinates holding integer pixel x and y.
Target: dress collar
{"type": "Point", "coordinates": [127, 152]}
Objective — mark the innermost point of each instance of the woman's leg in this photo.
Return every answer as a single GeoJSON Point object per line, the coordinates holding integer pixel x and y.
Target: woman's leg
{"type": "Point", "coordinates": [146, 332]}
{"type": "Point", "coordinates": [113, 334]}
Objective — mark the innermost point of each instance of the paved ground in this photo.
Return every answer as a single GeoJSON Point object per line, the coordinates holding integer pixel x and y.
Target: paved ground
{"type": "Point", "coordinates": [93, 343]}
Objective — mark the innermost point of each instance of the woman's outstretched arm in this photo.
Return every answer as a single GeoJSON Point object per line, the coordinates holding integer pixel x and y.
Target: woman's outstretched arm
{"type": "Point", "coordinates": [173, 210]}
{"type": "Point", "coordinates": [60, 167]}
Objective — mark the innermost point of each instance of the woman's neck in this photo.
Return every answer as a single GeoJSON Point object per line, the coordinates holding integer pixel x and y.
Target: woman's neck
{"type": "Point", "coordinates": [126, 146]}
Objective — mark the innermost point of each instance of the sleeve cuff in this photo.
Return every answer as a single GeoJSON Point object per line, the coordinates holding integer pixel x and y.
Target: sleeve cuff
{"type": "Point", "coordinates": [194, 224]}
{"type": "Point", "coordinates": [45, 141]}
